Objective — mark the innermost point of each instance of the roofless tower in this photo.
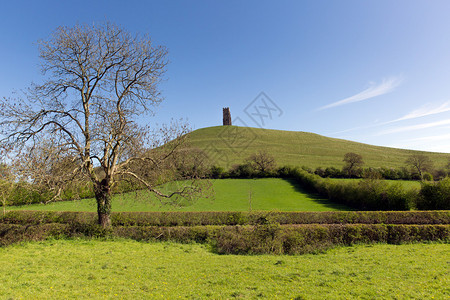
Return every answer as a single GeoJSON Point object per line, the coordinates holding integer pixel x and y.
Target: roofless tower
{"type": "Point", "coordinates": [226, 116]}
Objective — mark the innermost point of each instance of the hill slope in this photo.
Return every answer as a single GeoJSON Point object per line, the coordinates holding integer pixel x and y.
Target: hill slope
{"type": "Point", "coordinates": [228, 145]}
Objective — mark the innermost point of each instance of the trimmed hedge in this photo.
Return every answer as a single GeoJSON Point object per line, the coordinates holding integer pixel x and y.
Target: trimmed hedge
{"type": "Point", "coordinates": [230, 218]}
{"type": "Point", "coordinates": [250, 239]}
{"type": "Point", "coordinates": [14, 233]}
{"type": "Point", "coordinates": [237, 232]}
{"type": "Point", "coordinates": [299, 239]}
{"type": "Point", "coordinates": [46, 217]}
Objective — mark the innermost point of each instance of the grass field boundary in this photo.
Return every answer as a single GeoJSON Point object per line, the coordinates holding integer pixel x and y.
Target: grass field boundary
{"type": "Point", "coordinates": [248, 239]}
{"type": "Point", "coordinates": [230, 218]}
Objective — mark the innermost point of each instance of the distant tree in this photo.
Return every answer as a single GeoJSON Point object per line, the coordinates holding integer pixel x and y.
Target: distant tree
{"type": "Point", "coordinates": [419, 163]}
{"type": "Point", "coordinates": [191, 162]}
{"type": "Point", "coordinates": [81, 122]}
{"type": "Point", "coordinates": [262, 162]}
{"type": "Point", "coordinates": [353, 163]}
{"type": "Point", "coordinates": [372, 173]}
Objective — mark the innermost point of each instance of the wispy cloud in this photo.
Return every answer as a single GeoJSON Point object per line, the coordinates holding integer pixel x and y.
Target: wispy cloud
{"type": "Point", "coordinates": [434, 138]}
{"type": "Point", "coordinates": [426, 110]}
{"type": "Point", "coordinates": [415, 127]}
{"type": "Point", "coordinates": [423, 111]}
{"type": "Point", "coordinates": [386, 86]}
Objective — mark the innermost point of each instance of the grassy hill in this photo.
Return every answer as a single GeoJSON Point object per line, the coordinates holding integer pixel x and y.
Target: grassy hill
{"type": "Point", "coordinates": [228, 145]}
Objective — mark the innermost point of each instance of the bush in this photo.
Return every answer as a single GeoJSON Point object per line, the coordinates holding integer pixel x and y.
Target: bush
{"type": "Point", "coordinates": [241, 171]}
{"type": "Point", "coordinates": [24, 193]}
{"type": "Point", "coordinates": [435, 195]}
{"type": "Point", "coordinates": [333, 172]}
{"type": "Point", "coordinates": [427, 176]}
{"type": "Point", "coordinates": [216, 172]}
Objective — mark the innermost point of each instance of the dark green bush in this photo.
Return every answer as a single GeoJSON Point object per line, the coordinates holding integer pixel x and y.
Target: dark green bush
{"type": "Point", "coordinates": [216, 172]}
{"type": "Point", "coordinates": [435, 195]}
{"type": "Point", "coordinates": [241, 171]}
{"type": "Point", "coordinates": [427, 176]}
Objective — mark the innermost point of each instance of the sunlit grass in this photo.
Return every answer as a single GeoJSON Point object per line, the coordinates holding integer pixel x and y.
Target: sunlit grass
{"type": "Point", "coordinates": [229, 195]}
{"type": "Point", "coordinates": [228, 145]}
{"type": "Point", "coordinates": [125, 269]}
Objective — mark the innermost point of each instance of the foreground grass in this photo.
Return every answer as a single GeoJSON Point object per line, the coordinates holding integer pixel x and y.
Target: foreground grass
{"type": "Point", "coordinates": [229, 195]}
{"type": "Point", "coordinates": [90, 269]}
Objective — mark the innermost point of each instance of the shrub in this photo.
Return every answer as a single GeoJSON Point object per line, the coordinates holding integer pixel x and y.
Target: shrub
{"type": "Point", "coordinates": [427, 176]}
{"type": "Point", "coordinates": [320, 172]}
{"type": "Point", "coordinates": [435, 195]}
{"type": "Point", "coordinates": [241, 171]}
{"type": "Point", "coordinates": [333, 172]}
{"type": "Point", "coordinates": [216, 172]}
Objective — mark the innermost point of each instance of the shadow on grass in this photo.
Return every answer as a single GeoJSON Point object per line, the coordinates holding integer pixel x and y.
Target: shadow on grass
{"type": "Point", "coordinates": [316, 197]}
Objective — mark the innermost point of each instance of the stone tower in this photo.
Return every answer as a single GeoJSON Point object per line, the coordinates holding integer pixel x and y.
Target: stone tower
{"type": "Point", "coordinates": [226, 116]}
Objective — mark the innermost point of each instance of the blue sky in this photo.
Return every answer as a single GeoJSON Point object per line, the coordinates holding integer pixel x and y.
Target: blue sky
{"type": "Point", "coordinates": [376, 72]}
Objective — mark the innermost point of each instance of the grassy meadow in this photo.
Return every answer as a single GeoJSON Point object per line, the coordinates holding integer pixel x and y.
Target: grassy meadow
{"type": "Point", "coordinates": [228, 145]}
{"type": "Point", "coordinates": [125, 269]}
{"type": "Point", "coordinates": [228, 195]}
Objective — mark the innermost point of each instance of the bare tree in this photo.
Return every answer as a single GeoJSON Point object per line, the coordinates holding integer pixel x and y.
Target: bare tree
{"type": "Point", "coordinates": [353, 162]}
{"type": "Point", "coordinates": [262, 162]}
{"type": "Point", "coordinates": [419, 163]}
{"type": "Point", "coordinates": [81, 123]}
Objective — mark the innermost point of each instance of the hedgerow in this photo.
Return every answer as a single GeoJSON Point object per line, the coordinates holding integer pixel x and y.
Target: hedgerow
{"type": "Point", "coordinates": [366, 194]}
{"type": "Point", "coordinates": [248, 239]}
{"type": "Point", "coordinates": [299, 239]}
{"type": "Point", "coordinates": [172, 219]}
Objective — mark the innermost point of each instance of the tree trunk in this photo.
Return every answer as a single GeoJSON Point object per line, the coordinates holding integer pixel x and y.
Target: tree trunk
{"type": "Point", "coordinates": [103, 197]}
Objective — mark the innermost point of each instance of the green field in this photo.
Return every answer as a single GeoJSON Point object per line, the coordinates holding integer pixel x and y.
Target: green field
{"type": "Point", "coordinates": [125, 269]}
{"type": "Point", "coordinates": [228, 145]}
{"type": "Point", "coordinates": [229, 195]}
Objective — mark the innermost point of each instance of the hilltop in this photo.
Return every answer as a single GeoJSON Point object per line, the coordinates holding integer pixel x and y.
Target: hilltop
{"type": "Point", "coordinates": [228, 145]}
